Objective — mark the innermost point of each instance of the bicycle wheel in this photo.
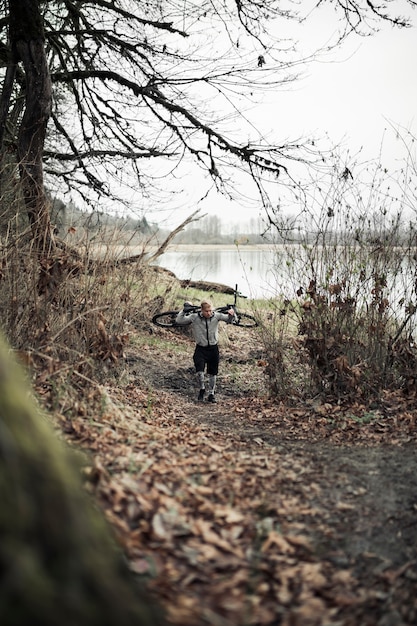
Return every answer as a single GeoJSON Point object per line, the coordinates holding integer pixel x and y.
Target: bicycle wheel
{"type": "Point", "coordinates": [245, 320]}
{"type": "Point", "coordinates": [166, 320]}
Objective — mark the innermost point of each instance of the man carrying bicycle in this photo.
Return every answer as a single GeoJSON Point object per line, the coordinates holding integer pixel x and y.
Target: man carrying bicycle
{"type": "Point", "coordinates": [205, 328]}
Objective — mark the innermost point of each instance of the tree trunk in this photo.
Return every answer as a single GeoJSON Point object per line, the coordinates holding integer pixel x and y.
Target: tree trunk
{"type": "Point", "coordinates": [59, 563]}
{"type": "Point", "coordinates": [27, 41]}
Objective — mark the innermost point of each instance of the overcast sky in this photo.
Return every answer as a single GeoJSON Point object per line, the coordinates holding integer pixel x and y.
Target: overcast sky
{"type": "Point", "coordinates": [370, 82]}
{"type": "Point", "coordinates": [354, 96]}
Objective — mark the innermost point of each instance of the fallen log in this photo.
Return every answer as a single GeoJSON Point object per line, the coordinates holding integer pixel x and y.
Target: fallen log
{"type": "Point", "coordinates": [204, 285]}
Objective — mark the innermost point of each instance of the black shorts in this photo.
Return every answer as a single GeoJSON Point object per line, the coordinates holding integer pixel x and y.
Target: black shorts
{"type": "Point", "coordinates": [207, 355]}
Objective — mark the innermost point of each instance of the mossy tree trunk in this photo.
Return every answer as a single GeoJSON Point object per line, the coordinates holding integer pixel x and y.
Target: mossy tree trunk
{"type": "Point", "coordinates": [58, 561]}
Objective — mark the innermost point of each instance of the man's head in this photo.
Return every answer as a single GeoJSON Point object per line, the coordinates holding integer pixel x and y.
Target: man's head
{"type": "Point", "coordinates": [206, 308]}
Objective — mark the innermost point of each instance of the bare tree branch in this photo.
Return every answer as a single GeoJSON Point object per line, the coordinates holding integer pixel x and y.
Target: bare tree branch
{"type": "Point", "coordinates": [168, 82]}
{"type": "Point", "coordinates": [191, 218]}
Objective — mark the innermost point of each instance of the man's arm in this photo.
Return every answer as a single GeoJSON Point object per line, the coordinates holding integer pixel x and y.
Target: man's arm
{"type": "Point", "coordinates": [184, 317]}
{"type": "Point", "coordinates": [227, 317]}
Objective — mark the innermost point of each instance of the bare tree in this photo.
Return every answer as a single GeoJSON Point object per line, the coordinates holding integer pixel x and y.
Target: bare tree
{"type": "Point", "coordinates": [140, 89]}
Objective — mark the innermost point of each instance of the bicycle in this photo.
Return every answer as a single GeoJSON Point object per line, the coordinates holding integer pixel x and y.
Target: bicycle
{"type": "Point", "coordinates": [243, 320]}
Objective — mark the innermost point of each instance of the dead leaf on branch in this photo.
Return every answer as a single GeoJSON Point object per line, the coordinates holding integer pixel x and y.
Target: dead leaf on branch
{"type": "Point", "coordinates": [105, 346]}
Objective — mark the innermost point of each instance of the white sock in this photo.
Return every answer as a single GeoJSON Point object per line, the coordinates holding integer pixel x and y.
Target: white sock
{"type": "Point", "coordinates": [212, 383]}
{"type": "Point", "coordinates": [200, 378]}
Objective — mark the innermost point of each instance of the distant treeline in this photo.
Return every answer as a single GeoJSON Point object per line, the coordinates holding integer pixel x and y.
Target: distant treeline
{"type": "Point", "coordinates": [208, 230]}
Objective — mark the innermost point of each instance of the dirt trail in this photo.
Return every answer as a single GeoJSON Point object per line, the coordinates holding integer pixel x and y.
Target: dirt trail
{"type": "Point", "coordinates": [366, 493]}
{"type": "Point", "coordinates": [370, 494]}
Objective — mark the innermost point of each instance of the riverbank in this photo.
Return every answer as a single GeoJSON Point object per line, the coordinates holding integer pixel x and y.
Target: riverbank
{"type": "Point", "coordinates": [251, 266]}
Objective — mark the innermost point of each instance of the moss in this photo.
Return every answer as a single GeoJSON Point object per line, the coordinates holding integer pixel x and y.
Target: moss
{"type": "Point", "coordinates": [58, 560]}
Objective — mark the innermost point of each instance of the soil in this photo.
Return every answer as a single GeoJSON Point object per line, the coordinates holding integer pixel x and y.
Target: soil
{"type": "Point", "coordinates": [363, 475]}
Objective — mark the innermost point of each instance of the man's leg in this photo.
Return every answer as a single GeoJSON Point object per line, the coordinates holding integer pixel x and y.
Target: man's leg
{"type": "Point", "coordinates": [199, 363]}
{"type": "Point", "coordinates": [212, 370]}
{"type": "Point", "coordinates": [212, 384]}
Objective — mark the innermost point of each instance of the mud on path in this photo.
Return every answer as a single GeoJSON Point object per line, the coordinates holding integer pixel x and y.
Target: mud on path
{"type": "Point", "coordinates": [363, 477]}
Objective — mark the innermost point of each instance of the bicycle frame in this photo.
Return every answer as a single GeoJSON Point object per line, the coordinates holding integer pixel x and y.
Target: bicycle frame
{"type": "Point", "coordinates": [244, 320]}
{"type": "Point", "coordinates": [223, 308]}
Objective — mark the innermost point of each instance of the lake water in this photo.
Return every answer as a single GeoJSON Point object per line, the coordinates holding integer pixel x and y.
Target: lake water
{"type": "Point", "coordinates": [266, 272]}
{"type": "Point", "coordinates": [252, 269]}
